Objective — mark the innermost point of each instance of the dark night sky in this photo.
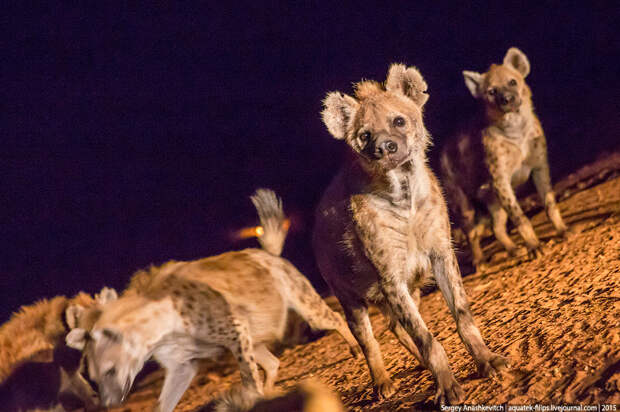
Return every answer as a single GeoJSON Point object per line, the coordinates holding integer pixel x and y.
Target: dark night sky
{"type": "Point", "coordinates": [133, 136]}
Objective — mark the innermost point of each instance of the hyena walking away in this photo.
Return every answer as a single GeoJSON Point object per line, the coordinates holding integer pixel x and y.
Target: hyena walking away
{"type": "Point", "coordinates": [191, 310]}
{"type": "Point", "coordinates": [497, 153]}
{"type": "Point", "coordinates": [382, 228]}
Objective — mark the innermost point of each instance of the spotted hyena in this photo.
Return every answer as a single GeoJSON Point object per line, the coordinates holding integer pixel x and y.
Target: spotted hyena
{"type": "Point", "coordinates": [382, 228]}
{"type": "Point", "coordinates": [185, 311]}
{"type": "Point", "coordinates": [37, 369]}
{"type": "Point", "coordinates": [499, 151]}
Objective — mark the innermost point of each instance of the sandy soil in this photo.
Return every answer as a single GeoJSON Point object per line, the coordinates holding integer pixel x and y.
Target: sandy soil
{"type": "Point", "coordinates": [557, 318]}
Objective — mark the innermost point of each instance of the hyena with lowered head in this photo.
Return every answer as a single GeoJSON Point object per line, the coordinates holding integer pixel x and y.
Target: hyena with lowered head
{"type": "Point", "coordinates": [186, 311]}
{"type": "Point", "coordinates": [499, 151]}
{"type": "Point", "coordinates": [382, 228]}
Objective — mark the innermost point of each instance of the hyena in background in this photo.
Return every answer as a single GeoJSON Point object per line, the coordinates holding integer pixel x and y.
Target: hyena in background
{"type": "Point", "coordinates": [496, 154]}
{"type": "Point", "coordinates": [185, 311]}
{"type": "Point", "coordinates": [37, 369]}
{"type": "Point", "coordinates": [382, 229]}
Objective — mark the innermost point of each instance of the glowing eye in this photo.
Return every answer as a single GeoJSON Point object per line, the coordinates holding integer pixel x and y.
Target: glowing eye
{"type": "Point", "coordinates": [492, 91]}
{"type": "Point", "coordinates": [399, 121]}
{"type": "Point", "coordinates": [110, 373]}
{"type": "Point", "coordinates": [364, 137]}
{"type": "Point", "coordinates": [512, 82]}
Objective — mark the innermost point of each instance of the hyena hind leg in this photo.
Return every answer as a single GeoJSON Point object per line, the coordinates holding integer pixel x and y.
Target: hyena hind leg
{"type": "Point", "coordinates": [400, 332]}
{"type": "Point", "coordinates": [357, 317]}
{"type": "Point", "coordinates": [313, 309]}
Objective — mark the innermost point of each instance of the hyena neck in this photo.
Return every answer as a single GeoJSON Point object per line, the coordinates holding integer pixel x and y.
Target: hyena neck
{"type": "Point", "coordinates": [512, 124]}
{"type": "Point", "coordinates": [147, 322]}
{"type": "Point", "coordinates": [404, 186]}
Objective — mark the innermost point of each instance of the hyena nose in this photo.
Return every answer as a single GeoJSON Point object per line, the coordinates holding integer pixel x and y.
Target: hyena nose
{"type": "Point", "coordinates": [388, 146]}
{"type": "Point", "coordinates": [505, 99]}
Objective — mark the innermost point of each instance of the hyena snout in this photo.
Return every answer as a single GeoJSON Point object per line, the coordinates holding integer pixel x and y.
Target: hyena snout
{"type": "Point", "coordinates": [508, 100]}
{"type": "Point", "coordinates": [388, 147]}
{"type": "Point", "coordinates": [389, 150]}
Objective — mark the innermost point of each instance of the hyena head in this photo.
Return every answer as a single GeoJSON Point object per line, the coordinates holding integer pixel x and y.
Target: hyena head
{"type": "Point", "coordinates": [112, 360]}
{"type": "Point", "coordinates": [383, 122]}
{"type": "Point", "coordinates": [503, 86]}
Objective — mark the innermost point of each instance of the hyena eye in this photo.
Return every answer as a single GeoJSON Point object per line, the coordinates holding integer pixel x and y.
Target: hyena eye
{"type": "Point", "coordinates": [364, 137]}
{"type": "Point", "coordinates": [492, 91]}
{"type": "Point", "coordinates": [110, 373]}
{"type": "Point", "coordinates": [512, 82]}
{"type": "Point", "coordinates": [399, 121]}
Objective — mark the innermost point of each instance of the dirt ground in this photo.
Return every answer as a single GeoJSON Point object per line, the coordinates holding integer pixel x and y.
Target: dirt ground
{"type": "Point", "coordinates": [557, 318]}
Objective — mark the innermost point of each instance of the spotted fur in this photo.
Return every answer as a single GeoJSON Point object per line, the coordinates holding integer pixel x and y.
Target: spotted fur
{"type": "Point", "coordinates": [37, 369]}
{"type": "Point", "coordinates": [382, 228]}
{"type": "Point", "coordinates": [495, 154]}
{"type": "Point", "coordinates": [184, 311]}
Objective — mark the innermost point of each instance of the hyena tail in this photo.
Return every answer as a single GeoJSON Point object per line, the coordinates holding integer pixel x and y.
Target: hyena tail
{"type": "Point", "coordinates": [304, 300]}
{"type": "Point", "coordinates": [274, 225]}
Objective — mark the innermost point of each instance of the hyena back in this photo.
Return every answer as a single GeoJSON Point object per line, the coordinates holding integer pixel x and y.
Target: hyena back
{"type": "Point", "coordinates": [185, 311]}
{"type": "Point", "coordinates": [498, 152]}
{"type": "Point", "coordinates": [382, 228]}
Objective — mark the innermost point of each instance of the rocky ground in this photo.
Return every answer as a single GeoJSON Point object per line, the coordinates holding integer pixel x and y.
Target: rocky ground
{"type": "Point", "coordinates": [557, 318]}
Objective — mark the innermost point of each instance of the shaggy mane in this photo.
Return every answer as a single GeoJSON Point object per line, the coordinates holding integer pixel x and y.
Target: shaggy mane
{"type": "Point", "coordinates": [33, 329]}
{"type": "Point", "coordinates": [367, 88]}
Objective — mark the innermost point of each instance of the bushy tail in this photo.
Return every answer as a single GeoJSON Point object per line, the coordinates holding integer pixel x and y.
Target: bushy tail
{"type": "Point", "coordinates": [273, 222]}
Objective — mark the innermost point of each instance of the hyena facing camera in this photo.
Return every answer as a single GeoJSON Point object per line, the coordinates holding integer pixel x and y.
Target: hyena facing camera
{"type": "Point", "coordinates": [499, 151]}
{"type": "Point", "coordinates": [382, 229]}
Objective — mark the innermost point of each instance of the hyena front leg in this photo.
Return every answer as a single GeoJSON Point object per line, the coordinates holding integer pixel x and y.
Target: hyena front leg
{"type": "Point", "coordinates": [433, 355]}
{"type": "Point", "coordinates": [542, 181]}
{"type": "Point", "coordinates": [239, 342]}
{"type": "Point", "coordinates": [359, 323]}
{"type": "Point", "coordinates": [501, 159]}
{"type": "Point", "coordinates": [448, 277]}
{"type": "Point", "coordinates": [500, 218]}
{"type": "Point", "coordinates": [177, 380]}
{"type": "Point", "coordinates": [269, 363]}
{"type": "Point", "coordinates": [508, 200]}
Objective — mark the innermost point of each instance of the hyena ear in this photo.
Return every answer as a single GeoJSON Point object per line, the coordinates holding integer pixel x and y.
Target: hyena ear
{"type": "Point", "coordinates": [338, 112]}
{"type": "Point", "coordinates": [106, 295]}
{"type": "Point", "coordinates": [73, 315]}
{"type": "Point", "coordinates": [408, 81]}
{"type": "Point", "coordinates": [517, 60]}
{"type": "Point", "coordinates": [76, 339]}
{"type": "Point", "coordinates": [473, 81]}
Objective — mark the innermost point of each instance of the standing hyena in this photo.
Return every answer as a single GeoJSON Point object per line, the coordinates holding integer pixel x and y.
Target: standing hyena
{"type": "Point", "coordinates": [497, 153]}
{"type": "Point", "coordinates": [382, 228]}
{"type": "Point", "coordinates": [186, 311]}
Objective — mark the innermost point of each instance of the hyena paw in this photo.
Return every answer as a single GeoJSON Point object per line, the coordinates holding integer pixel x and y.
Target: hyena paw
{"type": "Point", "coordinates": [569, 232]}
{"type": "Point", "coordinates": [535, 251]}
{"type": "Point", "coordinates": [494, 364]}
{"type": "Point", "coordinates": [512, 251]}
{"type": "Point", "coordinates": [481, 267]}
{"type": "Point", "coordinates": [451, 394]}
{"type": "Point", "coordinates": [385, 389]}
